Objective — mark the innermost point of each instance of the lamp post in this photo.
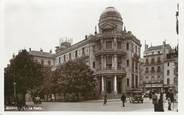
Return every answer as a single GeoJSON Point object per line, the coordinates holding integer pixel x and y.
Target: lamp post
{"type": "Point", "coordinates": [14, 91]}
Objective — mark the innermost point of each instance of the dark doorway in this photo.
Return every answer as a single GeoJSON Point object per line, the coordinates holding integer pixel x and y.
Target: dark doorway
{"type": "Point", "coordinates": [109, 86]}
{"type": "Point", "coordinates": [119, 86]}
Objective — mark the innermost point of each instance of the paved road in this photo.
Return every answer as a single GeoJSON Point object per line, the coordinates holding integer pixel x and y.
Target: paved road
{"type": "Point", "coordinates": [97, 105]}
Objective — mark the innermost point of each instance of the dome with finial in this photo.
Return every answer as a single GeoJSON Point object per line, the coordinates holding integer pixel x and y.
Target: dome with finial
{"type": "Point", "coordinates": [110, 18]}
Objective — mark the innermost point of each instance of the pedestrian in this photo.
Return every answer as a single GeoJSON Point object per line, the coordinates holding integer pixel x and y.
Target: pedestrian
{"type": "Point", "coordinates": [170, 99]}
{"type": "Point", "coordinates": [105, 99]}
{"type": "Point", "coordinates": [150, 95]}
{"type": "Point", "coordinates": [160, 103]}
{"type": "Point", "coordinates": [123, 99]}
{"type": "Point", "coordinates": [52, 97]}
{"type": "Point", "coordinates": [155, 101]}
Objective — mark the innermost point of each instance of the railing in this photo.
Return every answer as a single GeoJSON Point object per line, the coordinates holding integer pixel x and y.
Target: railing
{"type": "Point", "coordinates": [105, 70]}
{"type": "Point", "coordinates": [104, 51]}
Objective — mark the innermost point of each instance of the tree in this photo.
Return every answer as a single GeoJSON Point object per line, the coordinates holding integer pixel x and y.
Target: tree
{"type": "Point", "coordinates": [75, 77]}
{"type": "Point", "coordinates": [23, 71]}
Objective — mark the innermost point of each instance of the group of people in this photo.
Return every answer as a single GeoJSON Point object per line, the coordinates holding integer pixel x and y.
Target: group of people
{"type": "Point", "coordinates": [27, 101]}
{"type": "Point", "coordinates": [159, 99]}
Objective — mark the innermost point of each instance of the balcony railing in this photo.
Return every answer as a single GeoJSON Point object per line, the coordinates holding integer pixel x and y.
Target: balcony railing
{"type": "Point", "coordinates": [109, 51]}
{"type": "Point", "coordinates": [111, 70]}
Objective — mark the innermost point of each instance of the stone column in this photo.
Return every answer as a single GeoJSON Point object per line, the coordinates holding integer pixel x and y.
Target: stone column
{"type": "Point", "coordinates": [102, 64]}
{"type": "Point", "coordinates": [103, 88]}
{"type": "Point", "coordinates": [115, 84]}
{"type": "Point", "coordinates": [115, 62]}
{"type": "Point", "coordinates": [115, 43]}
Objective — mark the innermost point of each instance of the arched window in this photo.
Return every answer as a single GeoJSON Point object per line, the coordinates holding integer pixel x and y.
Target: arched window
{"type": "Point", "coordinates": [158, 69]}
{"type": "Point", "coordinates": [152, 69]}
{"type": "Point", "coordinates": [152, 60]}
{"type": "Point", "coordinates": [168, 81]}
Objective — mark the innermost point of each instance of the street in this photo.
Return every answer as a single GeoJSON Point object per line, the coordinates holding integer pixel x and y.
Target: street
{"type": "Point", "coordinates": [97, 105]}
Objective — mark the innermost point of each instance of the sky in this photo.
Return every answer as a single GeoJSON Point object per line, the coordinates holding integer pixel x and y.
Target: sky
{"type": "Point", "coordinates": [41, 23]}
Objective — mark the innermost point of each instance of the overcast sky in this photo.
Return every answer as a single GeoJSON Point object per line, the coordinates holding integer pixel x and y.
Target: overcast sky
{"type": "Point", "coordinates": [41, 23]}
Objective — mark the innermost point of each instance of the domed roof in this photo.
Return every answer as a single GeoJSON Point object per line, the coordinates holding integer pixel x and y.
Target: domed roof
{"type": "Point", "coordinates": [110, 16]}
{"type": "Point", "coordinates": [110, 11]}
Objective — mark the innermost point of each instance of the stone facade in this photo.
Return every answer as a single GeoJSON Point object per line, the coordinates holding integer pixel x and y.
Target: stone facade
{"type": "Point", "coordinates": [156, 68]}
{"type": "Point", "coordinates": [112, 53]}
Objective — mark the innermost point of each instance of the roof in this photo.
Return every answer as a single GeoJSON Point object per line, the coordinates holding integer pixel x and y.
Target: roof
{"type": "Point", "coordinates": [41, 54]}
{"type": "Point", "coordinates": [158, 47]}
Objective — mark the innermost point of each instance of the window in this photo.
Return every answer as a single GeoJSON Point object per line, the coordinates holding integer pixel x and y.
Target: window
{"type": "Point", "coordinates": [49, 62]}
{"type": "Point", "coordinates": [128, 82]}
{"type": "Point", "coordinates": [136, 81]}
{"type": "Point", "coordinates": [158, 69]}
{"type": "Point", "coordinates": [109, 44]}
{"type": "Point", "coordinates": [59, 59]}
{"type": "Point", "coordinates": [83, 51]}
{"type": "Point", "coordinates": [146, 71]}
{"type": "Point", "coordinates": [127, 63]}
{"type": "Point", "coordinates": [64, 58]}
{"type": "Point", "coordinates": [158, 59]}
{"type": "Point", "coordinates": [146, 77]}
{"type": "Point", "coordinates": [109, 62]}
{"type": "Point", "coordinates": [70, 57]}
{"type": "Point", "coordinates": [76, 54]}
{"type": "Point", "coordinates": [119, 44]}
{"type": "Point", "coordinates": [127, 46]}
{"type": "Point", "coordinates": [168, 64]}
{"type": "Point", "coordinates": [119, 62]}
{"type": "Point", "coordinates": [42, 61]}
{"type": "Point", "coordinates": [158, 52]}
{"type": "Point", "coordinates": [158, 77]}
{"type": "Point", "coordinates": [93, 64]}
{"type": "Point", "coordinates": [168, 72]}
{"type": "Point", "coordinates": [152, 60]}
{"type": "Point", "coordinates": [168, 81]}
{"type": "Point", "coordinates": [132, 80]}
{"type": "Point", "coordinates": [136, 49]}
{"type": "Point", "coordinates": [147, 61]}
{"type": "Point", "coordinates": [152, 69]}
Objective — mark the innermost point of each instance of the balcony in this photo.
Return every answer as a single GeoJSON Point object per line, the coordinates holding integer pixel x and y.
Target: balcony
{"type": "Point", "coordinates": [111, 71]}
{"type": "Point", "coordinates": [109, 51]}
{"type": "Point", "coordinates": [109, 35]}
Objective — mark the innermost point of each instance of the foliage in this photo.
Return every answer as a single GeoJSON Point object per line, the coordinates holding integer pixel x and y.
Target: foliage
{"type": "Point", "coordinates": [24, 72]}
{"type": "Point", "coordinates": [74, 77]}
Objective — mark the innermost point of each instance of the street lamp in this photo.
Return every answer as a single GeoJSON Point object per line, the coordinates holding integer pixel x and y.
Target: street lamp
{"type": "Point", "coordinates": [14, 87]}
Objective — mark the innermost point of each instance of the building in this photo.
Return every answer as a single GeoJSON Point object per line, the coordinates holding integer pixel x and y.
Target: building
{"type": "Point", "coordinates": [171, 70]}
{"type": "Point", "coordinates": [158, 67]}
{"type": "Point", "coordinates": [112, 53]}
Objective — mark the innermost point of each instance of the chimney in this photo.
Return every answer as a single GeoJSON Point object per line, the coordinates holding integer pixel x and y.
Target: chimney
{"type": "Point", "coordinates": [86, 36]}
{"type": "Point", "coordinates": [29, 49]}
{"type": "Point", "coordinates": [41, 49]}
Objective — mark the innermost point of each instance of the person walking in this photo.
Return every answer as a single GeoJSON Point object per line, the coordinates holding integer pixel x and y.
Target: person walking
{"type": "Point", "coordinates": [123, 99]}
{"type": "Point", "coordinates": [160, 103]}
{"type": "Point", "coordinates": [105, 99]}
{"type": "Point", "coordinates": [155, 101]}
{"type": "Point", "coordinates": [170, 99]}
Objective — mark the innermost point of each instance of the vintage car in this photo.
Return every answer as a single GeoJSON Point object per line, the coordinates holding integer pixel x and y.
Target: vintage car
{"type": "Point", "coordinates": [137, 98]}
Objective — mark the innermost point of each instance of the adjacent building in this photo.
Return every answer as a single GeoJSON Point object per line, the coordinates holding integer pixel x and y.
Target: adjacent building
{"type": "Point", "coordinates": [159, 67]}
